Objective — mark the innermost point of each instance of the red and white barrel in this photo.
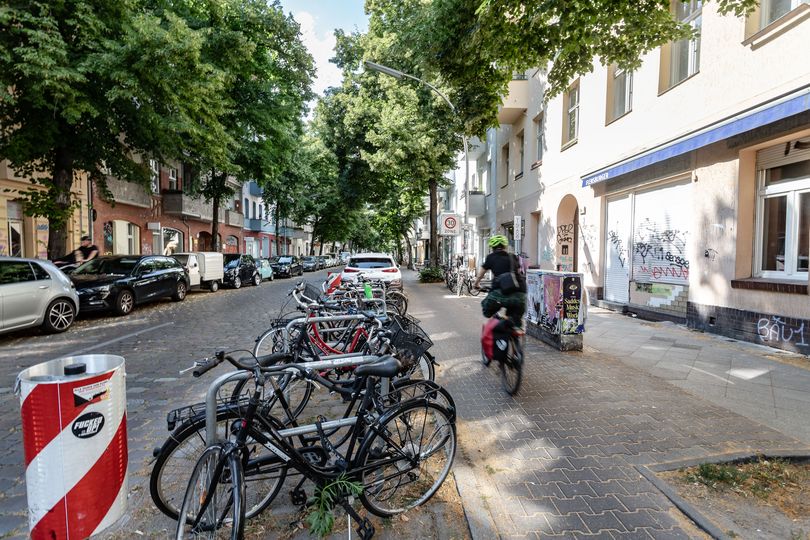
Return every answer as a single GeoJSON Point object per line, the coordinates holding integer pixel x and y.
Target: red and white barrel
{"type": "Point", "coordinates": [75, 441]}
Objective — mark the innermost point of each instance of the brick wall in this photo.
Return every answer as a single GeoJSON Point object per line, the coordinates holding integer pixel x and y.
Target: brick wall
{"type": "Point", "coordinates": [769, 329]}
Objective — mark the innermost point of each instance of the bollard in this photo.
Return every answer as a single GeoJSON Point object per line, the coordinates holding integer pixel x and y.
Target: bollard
{"type": "Point", "coordinates": [75, 444]}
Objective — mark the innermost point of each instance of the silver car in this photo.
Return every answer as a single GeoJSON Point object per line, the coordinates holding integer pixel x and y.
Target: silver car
{"type": "Point", "coordinates": [34, 292]}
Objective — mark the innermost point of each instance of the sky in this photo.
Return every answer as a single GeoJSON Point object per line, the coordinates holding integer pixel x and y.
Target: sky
{"type": "Point", "coordinates": [318, 20]}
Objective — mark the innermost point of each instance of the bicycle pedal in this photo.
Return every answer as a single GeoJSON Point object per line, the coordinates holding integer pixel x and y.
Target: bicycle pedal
{"type": "Point", "coordinates": [365, 529]}
{"type": "Point", "coordinates": [298, 497]}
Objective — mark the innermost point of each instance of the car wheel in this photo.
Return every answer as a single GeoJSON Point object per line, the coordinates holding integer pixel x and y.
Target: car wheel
{"type": "Point", "coordinates": [257, 280]}
{"type": "Point", "coordinates": [214, 286]}
{"type": "Point", "coordinates": [272, 277]}
{"type": "Point", "coordinates": [237, 282]}
{"type": "Point", "coordinates": [180, 292]}
{"type": "Point", "coordinates": [124, 302]}
{"type": "Point", "coordinates": [59, 316]}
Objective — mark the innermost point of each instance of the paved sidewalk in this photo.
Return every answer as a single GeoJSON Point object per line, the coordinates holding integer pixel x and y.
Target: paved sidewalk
{"type": "Point", "coordinates": [557, 460]}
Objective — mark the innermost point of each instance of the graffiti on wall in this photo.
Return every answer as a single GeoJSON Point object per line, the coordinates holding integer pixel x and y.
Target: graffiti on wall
{"type": "Point", "coordinates": [617, 248]}
{"type": "Point", "coordinates": [776, 330]}
{"type": "Point", "coordinates": [565, 233]}
{"type": "Point", "coordinates": [660, 254]}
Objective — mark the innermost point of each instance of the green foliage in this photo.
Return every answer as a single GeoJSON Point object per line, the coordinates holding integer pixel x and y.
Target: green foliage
{"type": "Point", "coordinates": [431, 274]}
{"type": "Point", "coordinates": [716, 475]}
{"type": "Point", "coordinates": [321, 518]}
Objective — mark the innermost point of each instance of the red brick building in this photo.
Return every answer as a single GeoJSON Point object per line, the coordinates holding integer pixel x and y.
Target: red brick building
{"type": "Point", "coordinates": [163, 219]}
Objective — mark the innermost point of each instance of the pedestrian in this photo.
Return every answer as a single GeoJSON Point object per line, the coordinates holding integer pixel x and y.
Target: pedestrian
{"type": "Point", "coordinates": [501, 262]}
{"type": "Point", "coordinates": [87, 251]}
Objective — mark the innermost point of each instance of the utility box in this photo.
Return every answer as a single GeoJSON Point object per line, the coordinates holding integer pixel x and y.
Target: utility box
{"type": "Point", "coordinates": [557, 306]}
{"type": "Point", "coordinates": [75, 443]}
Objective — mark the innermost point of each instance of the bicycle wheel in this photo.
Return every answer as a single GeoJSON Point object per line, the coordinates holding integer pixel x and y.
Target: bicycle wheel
{"type": "Point", "coordinates": [484, 358]}
{"type": "Point", "coordinates": [406, 457]}
{"type": "Point", "coordinates": [167, 483]}
{"type": "Point", "coordinates": [512, 367]}
{"type": "Point", "coordinates": [296, 391]}
{"type": "Point", "coordinates": [398, 301]}
{"type": "Point", "coordinates": [214, 497]}
{"type": "Point", "coordinates": [473, 291]}
{"type": "Point", "coordinates": [423, 369]}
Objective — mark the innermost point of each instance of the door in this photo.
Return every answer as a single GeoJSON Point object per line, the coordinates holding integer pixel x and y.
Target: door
{"type": "Point", "coordinates": [147, 282]}
{"type": "Point", "coordinates": [193, 271]}
{"type": "Point", "coordinates": [617, 249]}
{"type": "Point", "coordinates": [21, 295]}
{"type": "Point", "coordinates": [167, 270]}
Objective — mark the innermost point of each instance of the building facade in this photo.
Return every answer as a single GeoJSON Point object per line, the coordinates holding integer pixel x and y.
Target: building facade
{"type": "Point", "coordinates": [165, 217]}
{"type": "Point", "coordinates": [681, 190]}
{"type": "Point", "coordinates": [25, 236]}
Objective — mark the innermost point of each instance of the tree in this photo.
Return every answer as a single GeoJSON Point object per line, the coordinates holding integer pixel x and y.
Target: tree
{"type": "Point", "coordinates": [90, 85]}
{"type": "Point", "coordinates": [474, 46]}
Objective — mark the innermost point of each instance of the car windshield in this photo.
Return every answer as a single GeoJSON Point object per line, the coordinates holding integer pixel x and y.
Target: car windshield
{"type": "Point", "coordinates": [232, 260]}
{"type": "Point", "coordinates": [309, 259]}
{"type": "Point", "coordinates": [273, 259]}
{"type": "Point", "coordinates": [285, 260]}
{"type": "Point", "coordinates": [370, 262]}
{"type": "Point", "coordinates": [120, 267]}
{"type": "Point", "coordinates": [182, 259]}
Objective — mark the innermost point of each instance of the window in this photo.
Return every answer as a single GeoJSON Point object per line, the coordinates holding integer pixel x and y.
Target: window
{"type": "Point", "coordinates": [520, 141]}
{"type": "Point", "coordinates": [173, 179]}
{"type": "Point", "coordinates": [122, 238]}
{"type": "Point", "coordinates": [154, 175]}
{"type": "Point", "coordinates": [505, 161]}
{"type": "Point", "coordinates": [39, 272]}
{"type": "Point", "coordinates": [771, 10]}
{"type": "Point", "coordinates": [172, 241]}
{"type": "Point", "coordinates": [783, 216]}
{"type": "Point", "coordinates": [255, 215]}
{"type": "Point", "coordinates": [15, 272]}
{"type": "Point", "coordinates": [539, 137]}
{"type": "Point", "coordinates": [571, 114]}
{"type": "Point", "coordinates": [133, 234]}
{"type": "Point", "coordinates": [681, 59]}
{"type": "Point", "coordinates": [247, 208]}
{"type": "Point", "coordinates": [619, 93]}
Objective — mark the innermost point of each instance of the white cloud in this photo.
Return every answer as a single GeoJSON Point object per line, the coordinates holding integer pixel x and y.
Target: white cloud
{"type": "Point", "coordinates": [322, 48]}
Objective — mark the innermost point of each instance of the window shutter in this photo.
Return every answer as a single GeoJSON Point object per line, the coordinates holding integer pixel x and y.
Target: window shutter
{"type": "Point", "coordinates": [783, 154]}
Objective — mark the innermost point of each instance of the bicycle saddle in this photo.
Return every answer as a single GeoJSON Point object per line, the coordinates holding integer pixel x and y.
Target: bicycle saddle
{"type": "Point", "coordinates": [386, 366]}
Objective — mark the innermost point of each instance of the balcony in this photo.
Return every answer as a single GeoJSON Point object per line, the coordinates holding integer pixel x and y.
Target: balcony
{"type": "Point", "coordinates": [254, 189]}
{"type": "Point", "coordinates": [477, 205]}
{"type": "Point", "coordinates": [234, 218]}
{"type": "Point", "coordinates": [259, 225]}
{"type": "Point", "coordinates": [129, 193]}
{"type": "Point", "coordinates": [181, 204]}
{"type": "Point", "coordinates": [515, 102]}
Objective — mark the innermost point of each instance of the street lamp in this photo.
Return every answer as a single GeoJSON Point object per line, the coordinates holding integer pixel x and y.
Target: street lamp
{"type": "Point", "coordinates": [399, 75]}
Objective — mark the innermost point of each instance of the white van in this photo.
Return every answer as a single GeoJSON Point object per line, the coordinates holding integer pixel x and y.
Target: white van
{"type": "Point", "coordinates": [205, 269]}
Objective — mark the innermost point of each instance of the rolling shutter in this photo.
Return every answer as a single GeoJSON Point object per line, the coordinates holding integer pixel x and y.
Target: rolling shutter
{"type": "Point", "coordinates": [617, 257]}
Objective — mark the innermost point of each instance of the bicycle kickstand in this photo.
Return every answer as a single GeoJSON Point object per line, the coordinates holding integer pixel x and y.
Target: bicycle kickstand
{"type": "Point", "coordinates": [364, 527]}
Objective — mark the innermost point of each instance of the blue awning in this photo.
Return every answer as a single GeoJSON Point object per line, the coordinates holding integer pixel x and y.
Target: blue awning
{"type": "Point", "coordinates": [767, 113]}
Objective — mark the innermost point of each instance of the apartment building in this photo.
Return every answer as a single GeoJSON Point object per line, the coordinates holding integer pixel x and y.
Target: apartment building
{"type": "Point", "coordinates": [165, 217]}
{"type": "Point", "coordinates": [681, 190]}
{"type": "Point", "coordinates": [26, 236]}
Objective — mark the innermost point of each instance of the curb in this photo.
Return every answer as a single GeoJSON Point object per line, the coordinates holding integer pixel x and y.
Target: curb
{"type": "Point", "coordinates": [479, 520]}
{"type": "Point", "coordinates": [690, 511]}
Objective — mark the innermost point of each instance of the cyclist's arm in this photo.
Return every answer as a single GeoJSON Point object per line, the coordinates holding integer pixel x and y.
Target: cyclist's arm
{"type": "Point", "coordinates": [479, 277]}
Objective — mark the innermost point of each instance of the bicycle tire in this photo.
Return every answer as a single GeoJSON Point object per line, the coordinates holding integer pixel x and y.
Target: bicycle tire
{"type": "Point", "coordinates": [425, 367]}
{"type": "Point", "coordinates": [512, 367]}
{"type": "Point", "coordinates": [484, 358]}
{"type": "Point", "coordinates": [398, 301]}
{"type": "Point", "coordinates": [297, 392]}
{"type": "Point", "coordinates": [215, 470]}
{"type": "Point", "coordinates": [393, 487]}
{"type": "Point", "coordinates": [167, 488]}
{"type": "Point", "coordinates": [473, 290]}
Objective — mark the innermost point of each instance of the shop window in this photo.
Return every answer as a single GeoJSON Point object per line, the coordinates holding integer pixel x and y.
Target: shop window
{"type": "Point", "coordinates": [783, 220]}
{"type": "Point", "coordinates": [571, 114]}
{"type": "Point", "coordinates": [16, 229]}
{"type": "Point", "coordinates": [681, 59]}
{"type": "Point", "coordinates": [172, 241]}
{"type": "Point", "coordinates": [619, 93]}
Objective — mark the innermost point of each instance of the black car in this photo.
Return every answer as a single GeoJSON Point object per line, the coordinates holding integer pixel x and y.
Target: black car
{"type": "Point", "coordinates": [241, 269]}
{"type": "Point", "coordinates": [287, 266]}
{"type": "Point", "coordinates": [310, 264]}
{"type": "Point", "coordinates": [121, 282]}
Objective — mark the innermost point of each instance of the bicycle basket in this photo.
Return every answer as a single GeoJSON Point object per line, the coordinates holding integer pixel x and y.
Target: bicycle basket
{"type": "Point", "coordinates": [409, 338]}
{"type": "Point", "coordinates": [312, 292]}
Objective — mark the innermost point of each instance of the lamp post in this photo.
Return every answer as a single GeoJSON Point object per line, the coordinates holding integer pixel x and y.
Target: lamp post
{"type": "Point", "coordinates": [399, 75]}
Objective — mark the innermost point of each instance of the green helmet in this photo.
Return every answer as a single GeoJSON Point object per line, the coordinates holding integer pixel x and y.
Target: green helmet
{"type": "Point", "coordinates": [498, 240]}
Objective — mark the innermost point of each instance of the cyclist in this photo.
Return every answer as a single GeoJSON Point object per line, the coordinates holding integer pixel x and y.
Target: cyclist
{"type": "Point", "coordinates": [500, 262]}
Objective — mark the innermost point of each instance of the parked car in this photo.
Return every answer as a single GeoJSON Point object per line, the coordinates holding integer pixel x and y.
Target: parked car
{"type": "Point", "coordinates": [239, 269]}
{"type": "Point", "coordinates": [121, 282]}
{"type": "Point", "coordinates": [322, 262]}
{"type": "Point", "coordinates": [310, 264]}
{"type": "Point", "coordinates": [344, 257]}
{"type": "Point", "coordinates": [373, 266]}
{"type": "Point", "coordinates": [265, 268]}
{"type": "Point", "coordinates": [35, 293]}
{"type": "Point", "coordinates": [287, 266]}
{"type": "Point", "coordinates": [205, 269]}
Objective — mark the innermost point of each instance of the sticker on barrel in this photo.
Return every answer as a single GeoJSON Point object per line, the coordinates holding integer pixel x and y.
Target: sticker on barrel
{"type": "Point", "coordinates": [91, 393]}
{"type": "Point", "coordinates": [88, 425]}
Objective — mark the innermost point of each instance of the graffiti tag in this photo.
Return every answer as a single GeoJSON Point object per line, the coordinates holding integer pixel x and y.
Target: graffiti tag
{"type": "Point", "coordinates": [621, 252]}
{"type": "Point", "coordinates": [775, 329]}
{"type": "Point", "coordinates": [565, 233]}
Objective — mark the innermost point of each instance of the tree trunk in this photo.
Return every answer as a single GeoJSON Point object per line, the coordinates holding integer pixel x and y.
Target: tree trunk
{"type": "Point", "coordinates": [434, 220]}
{"type": "Point", "coordinates": [320, 248]}
{"type": "Point", "coordinates": [215, 200]}
{"type": "Point", "coordinates": [278, 230]}
{"type": "Point", "coordinates": [59, 192]}
{"type": "Point", "coordinates": [410, 251]}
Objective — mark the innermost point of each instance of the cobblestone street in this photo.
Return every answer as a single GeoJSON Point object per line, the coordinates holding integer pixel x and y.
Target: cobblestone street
{"type": "Point", "coordinates": [558, 460]}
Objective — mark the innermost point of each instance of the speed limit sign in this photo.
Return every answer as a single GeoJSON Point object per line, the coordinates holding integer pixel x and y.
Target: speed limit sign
{"type": "Point", "coordinates": [449, 225]}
